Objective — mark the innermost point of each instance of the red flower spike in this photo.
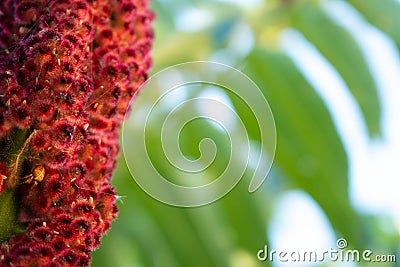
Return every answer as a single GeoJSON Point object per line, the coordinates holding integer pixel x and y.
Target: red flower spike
{"type": "Point", "coordinates": [68, 70]}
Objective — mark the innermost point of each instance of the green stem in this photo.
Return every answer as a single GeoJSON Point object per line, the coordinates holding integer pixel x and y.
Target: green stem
{"type": "Point", "coordinates": [12, 152]}
{"type": "Point", "coordinates": [8, 215]}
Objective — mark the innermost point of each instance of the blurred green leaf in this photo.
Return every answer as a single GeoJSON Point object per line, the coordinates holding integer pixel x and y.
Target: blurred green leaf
{"type": "Point", "coordinates": [340, 48]}
{"type": "Point", "coordinates": [243, 215]}
{"type": "Point", "coordinates": [308, 147]}
{"type": "Point", "coordinates": [384, 14]}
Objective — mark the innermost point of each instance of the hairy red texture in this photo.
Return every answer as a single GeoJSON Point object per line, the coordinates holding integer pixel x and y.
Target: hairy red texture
{"type": "Point", "coordinates": [68, 69]}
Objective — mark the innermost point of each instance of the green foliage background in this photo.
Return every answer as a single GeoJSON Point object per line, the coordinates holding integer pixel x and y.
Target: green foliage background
{"type": "Point", "coordinates": [230, 231]}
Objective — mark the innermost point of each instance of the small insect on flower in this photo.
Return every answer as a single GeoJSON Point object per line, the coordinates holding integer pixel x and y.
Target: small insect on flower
{"type": "Point", "coordinates": [35, 177]}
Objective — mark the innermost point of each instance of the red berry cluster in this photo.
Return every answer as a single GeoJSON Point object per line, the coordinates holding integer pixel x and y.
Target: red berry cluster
{"type": "Point", "coordinates": [68, 70]}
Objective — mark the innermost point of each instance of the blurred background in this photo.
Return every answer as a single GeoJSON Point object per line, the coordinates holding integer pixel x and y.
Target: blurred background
{"type": "Point", "coordinates": [330, 71]}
